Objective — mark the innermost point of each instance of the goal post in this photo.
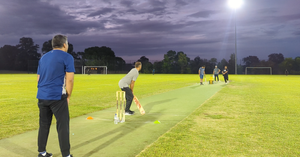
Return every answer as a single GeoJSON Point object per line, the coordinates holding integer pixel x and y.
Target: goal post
{"type": "Point", "coordinates": [270, 69]}
{"type": "Point", "coordinates": [94, 69]}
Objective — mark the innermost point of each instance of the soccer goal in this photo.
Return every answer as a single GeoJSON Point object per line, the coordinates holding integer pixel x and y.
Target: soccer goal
{"type": "Point", "coordinates": [258, 70]}
{"type": "Point", "coordinates": [94, 69]}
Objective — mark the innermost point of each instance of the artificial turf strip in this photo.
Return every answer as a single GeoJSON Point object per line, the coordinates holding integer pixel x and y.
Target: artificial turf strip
{"type": "Point", "coordinates": [252, 116]}
{"type": "Point", "coordinates": [101, 137]}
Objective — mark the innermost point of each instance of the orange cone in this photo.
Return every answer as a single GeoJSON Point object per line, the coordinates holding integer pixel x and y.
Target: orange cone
{"type": "Point", "coordinates": [89, 118]}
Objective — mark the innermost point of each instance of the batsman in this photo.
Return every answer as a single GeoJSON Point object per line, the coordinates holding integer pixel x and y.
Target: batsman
{"type": "Point", "coordinates": [127, 84]}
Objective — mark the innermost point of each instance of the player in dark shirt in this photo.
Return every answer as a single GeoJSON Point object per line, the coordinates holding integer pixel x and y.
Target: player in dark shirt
{"type": "Point", "coordinates": [225, 74]}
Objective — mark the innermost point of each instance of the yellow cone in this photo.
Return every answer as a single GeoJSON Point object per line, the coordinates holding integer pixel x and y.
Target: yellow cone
{"type": "Point", "coordinates": [157, 122]}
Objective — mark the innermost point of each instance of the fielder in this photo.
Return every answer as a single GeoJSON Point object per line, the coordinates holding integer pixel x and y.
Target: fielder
{"type": "Point", "coordinates": [216, 73]}
{"type": "Point", "coordinates": [201, 73]}
{"type": "Point", "coordinates": [55, 85]}
{"type": "Point", "coordinates": [225, 74]}
{"type": "Point", "coordinates": [127, 84]}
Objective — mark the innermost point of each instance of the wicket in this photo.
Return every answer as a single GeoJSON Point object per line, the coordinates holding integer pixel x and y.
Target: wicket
{"type": "Point", "coordinates": [121, 103]}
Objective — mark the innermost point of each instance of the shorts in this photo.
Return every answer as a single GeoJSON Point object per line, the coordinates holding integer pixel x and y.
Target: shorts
{"type": "Point", "coordinates": [201, 76]}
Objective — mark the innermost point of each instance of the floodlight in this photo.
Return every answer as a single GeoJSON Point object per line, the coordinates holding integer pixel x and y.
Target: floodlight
{"type": "Point", "coordinates": [235, 4]}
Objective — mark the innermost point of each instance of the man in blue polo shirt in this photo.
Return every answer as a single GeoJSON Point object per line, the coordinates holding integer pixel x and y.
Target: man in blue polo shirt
{"type": "Point", "coordinates": [55, 85]}
{"type": "Point", "coordinates": [201, 74]}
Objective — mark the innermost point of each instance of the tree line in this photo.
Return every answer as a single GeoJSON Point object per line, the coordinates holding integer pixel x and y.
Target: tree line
{"type": "Point", "coordinates": [25, 55]}
{"type": "Point", "coordinates": [178, 62]}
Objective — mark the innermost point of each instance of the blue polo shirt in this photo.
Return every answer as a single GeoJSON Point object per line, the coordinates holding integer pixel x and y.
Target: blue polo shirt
{"type": "Point", "coordinates": [201, 70]}
{"type": "Point", "coordinates": [52, 70]}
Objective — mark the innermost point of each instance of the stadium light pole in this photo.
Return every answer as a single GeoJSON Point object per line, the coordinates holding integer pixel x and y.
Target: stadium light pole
{"type": "Point", "coordinates": [235, 4]}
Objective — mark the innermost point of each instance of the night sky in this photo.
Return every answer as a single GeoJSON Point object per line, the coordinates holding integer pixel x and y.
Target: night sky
{"type": "Point", "coordinates": [135, 28]}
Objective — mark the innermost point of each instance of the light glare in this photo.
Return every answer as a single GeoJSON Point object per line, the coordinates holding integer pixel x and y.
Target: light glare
{"type": "Point", "coordinates": [235, 4]}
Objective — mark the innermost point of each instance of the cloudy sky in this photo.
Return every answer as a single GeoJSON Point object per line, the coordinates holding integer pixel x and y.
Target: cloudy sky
{"type": "Point", "coordinates": [135, 28]}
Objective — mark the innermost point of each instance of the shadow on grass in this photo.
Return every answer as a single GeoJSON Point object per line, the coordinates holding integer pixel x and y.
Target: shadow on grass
{"type": "Point", "coordinates": [16, 149]}
{"type": "Point", "coordinates": [123, 129]}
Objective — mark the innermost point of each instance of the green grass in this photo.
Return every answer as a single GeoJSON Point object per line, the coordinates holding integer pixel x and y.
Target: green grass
{"type": "Point", "coordinates": [251, 116]}
{"type": "Point", "coordinates": [18, 103]}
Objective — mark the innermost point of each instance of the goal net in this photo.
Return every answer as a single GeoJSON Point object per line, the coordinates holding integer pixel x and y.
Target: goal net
{"type": "Point", "coordinates": [258, 70]}
{"type": "Point", "coordinates": [94, 70]}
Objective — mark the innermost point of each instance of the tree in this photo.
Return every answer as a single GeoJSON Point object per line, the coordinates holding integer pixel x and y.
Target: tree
{"type": "Point", "coordinates": [47, 46]}
{"type": "Point", "coordinates": [176, 62]}
{"type": "Point", "coordinates": [179, 62]}
{"type": "Point", "coordinates": [143, 59]}
{"type": "Point", "coordinates": [213, 61]}
{"type": "Point", "coordinates": [103, 53]}
{"type": "Point", "coordinates": [183, 62]}
{"type": "Point", "coordinates": [102, 56]}
{"type": "Point", "coordinates": [297, 64]}
{"type": "Point", "coordinates": [210, 65]}
{"type": "Point", "coordinates": [8, 55]}
{"type": "Point", "coordinates": [196, 64]}
{"type": "Point", "coordinates": [119, 64]}
{"type": "Point", "coordinates": [73, 53]}
{"type": "Point", "coordinates": [276, 58]}
{"type": "Point", "coordinates": [146, 65]}
{"type": "Point", "coordinates": [288, 63]}
{"type": "Point", "coordinates": [251, 61]}
{"type": "Point", "coordinates": [158, 66]}
{"type": "Point", "coordinates": [171, 55]}
{"type": "Point", "coordinates": [222, 64]}
{"type": "Point", "coordinates": [169, 62]}
{"type": "Point", "coordinates": [27, 51]}
{"type": "Point", "coordinates": [166, 67]}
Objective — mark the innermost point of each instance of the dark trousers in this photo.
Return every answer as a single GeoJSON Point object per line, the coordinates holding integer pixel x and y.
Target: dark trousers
{"type": "Point", "coordinates": [128, 96]}
{"type": "Point", "coordinates": [225, 78]}
{"type": "Point", "coordinates": [216, 76]}
{"type": "Point", "coordinates": [61, 112]}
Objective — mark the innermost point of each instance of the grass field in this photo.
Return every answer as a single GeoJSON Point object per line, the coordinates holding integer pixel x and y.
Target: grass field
{"type": "Point", "coordinates": [18, 103]}
{"type": "Point", "coordinates": [251, 116]}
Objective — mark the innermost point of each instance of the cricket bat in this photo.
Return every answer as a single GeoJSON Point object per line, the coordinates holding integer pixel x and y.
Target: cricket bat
{"type": "Point", "coordinates": [139, 106]}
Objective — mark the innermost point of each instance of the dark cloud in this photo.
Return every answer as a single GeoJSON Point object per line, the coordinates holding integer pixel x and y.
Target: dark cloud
{"type": "Point", "coordinates": [203, 14]}
{"type": "Point", "coordinates": [36, 17]}
{"type": "Point", "coordinates": [287, 18]}
{"type": "Point", "coordinates": [155, 11]}
{"type": "Point", "coordinates": [101, 12]}
{"type": "Point", "coordinates": [297, 33]}
{"type": "Point", "coordinates": [144, 44]}
{"type": "Point", "coordinates": [271, 32]}
{"type": "Point", "coordinates": [126, 3]}
{"type": "Point", "coordinates": [160, 26]}
{"type": "Point", "coordinates": [133, 28]}
{"type": "Point", "coordinates": [107, 1]}
{"type": "Point", "coordinates": [267, 11]}
{"type": "Point", "coordinates": [132, 11]}
{"type": "Point", "coordinates": [181, 3]}
{"type": "Point", "coordinates": [157, 3]}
